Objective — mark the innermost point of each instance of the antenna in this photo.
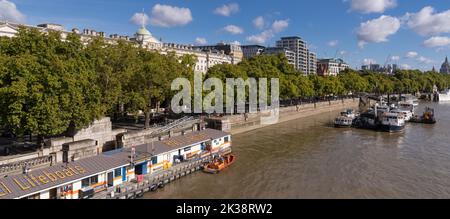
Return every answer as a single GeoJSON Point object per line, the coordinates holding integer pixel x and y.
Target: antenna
{"type": "Point", "coordinates": [143, 17]}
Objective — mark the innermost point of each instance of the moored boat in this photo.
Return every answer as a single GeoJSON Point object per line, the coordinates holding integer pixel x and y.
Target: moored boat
{"type": "Point", "coordinates": [427, 117]}
{"type": "Point", "coordinates": [392, 122]}
{"type": "Point", "coordinates": [444, 97]}
{"type": "Point", "coordinates": [343, 122]}
{"type": "Point", "coordinates": [219, 164]}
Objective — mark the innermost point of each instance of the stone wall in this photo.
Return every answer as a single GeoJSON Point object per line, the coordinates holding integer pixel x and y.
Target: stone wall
{"type": "Point", "coordinates": [136, 138]}
{"type": "Point", "coordinates": [248, 122]}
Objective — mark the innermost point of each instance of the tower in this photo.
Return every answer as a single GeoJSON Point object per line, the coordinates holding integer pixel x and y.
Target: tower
{"type": "Point", "coordinates": [445, 68]}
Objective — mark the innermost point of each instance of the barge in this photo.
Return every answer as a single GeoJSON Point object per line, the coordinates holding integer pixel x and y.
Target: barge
{"type": "Point", "coordinates": [108, 172]}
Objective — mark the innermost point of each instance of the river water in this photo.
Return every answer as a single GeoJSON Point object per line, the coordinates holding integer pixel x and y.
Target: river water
{"type": "Point", "coordinates": [308, 158]}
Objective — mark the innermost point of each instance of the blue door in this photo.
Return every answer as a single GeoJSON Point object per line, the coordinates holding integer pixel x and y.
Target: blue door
{"type": "Point", "coordinates": [144, 168]}
{"type": "Point", "coordinates": [124, 174]}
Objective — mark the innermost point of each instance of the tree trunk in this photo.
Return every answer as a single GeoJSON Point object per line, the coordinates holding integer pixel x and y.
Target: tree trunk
{"type": "Point", "coordinates": [147, 113]}
{"type": "Point", "coordinates": [40, 142]}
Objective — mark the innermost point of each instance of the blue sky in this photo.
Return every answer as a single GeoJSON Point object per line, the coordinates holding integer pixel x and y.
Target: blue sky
{"type": "Point", "coordinates": [331, 27]}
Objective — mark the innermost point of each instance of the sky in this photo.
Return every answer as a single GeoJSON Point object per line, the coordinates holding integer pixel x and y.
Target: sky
{"type": "Point", "coordinates": [411, 33]}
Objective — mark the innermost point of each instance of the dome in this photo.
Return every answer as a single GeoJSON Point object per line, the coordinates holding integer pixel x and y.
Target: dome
{"type": "Point", "coordinates": [143, 31]}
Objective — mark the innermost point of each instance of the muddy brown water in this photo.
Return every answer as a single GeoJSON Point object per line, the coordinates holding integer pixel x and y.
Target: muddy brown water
{"type": "Point", "coordinates": [307, 158]}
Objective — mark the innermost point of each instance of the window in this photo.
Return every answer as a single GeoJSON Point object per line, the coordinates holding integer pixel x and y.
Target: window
{"type": "Point", "coordinates": [187, 149]}
{"type": "Point", "coordinates": [154, 160]}
{"type": "Point", "coordinates": [227, 139]}
{"type": "Point", "coordinates": [85, 183]}
{"type": "Point", "coordinates": [94, 180]}
{"type": "Point", "coordinates": [118, 172]}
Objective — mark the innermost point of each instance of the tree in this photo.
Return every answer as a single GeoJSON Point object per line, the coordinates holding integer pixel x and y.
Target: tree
{"type": "Point", "coordinates": [47, 84]}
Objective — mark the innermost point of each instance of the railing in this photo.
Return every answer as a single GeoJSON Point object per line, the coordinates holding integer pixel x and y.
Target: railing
{"type": "Point", "coordinates": [155, 180]}
{"type": "Point", "coordinates": [18, 166]}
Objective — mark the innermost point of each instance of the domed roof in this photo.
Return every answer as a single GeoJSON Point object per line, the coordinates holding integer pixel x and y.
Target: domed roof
{"type": "Point", "coordinates": [143, 31]}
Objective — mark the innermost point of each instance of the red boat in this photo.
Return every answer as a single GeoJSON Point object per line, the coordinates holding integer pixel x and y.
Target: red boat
{"type": "Point", "coordinates": [219, 164]}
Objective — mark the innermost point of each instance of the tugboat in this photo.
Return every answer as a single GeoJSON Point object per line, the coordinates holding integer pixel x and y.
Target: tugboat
{"type": "Point", "coordinates": [219, 164]}
{"type": "Point", "coordinates": [426, 118]}
{"type": "Point", "coordinates": [392, 122]}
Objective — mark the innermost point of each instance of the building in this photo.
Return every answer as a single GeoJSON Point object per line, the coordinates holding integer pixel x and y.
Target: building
{"type": "Point", "coordinates": [290, 55]}
{"type": "Point", "coordinates": [250, 51]}
{"type": "Point", "coordinates": [372, 67]}
{"type": "Point", "coordinates": [231, 49]}
{"type": "Point", "coordinates": [312, 63]}
{"type": "Point", "coordinates": [304, 60]}
{"type": "Point", "coordinates": [331, 67]}
{"type": "Point", "coordinates": [388, 69]}
{"type": "Point", "coordinates": [224, 53]}
{"type": "Point", "coordinates": [445, 68]}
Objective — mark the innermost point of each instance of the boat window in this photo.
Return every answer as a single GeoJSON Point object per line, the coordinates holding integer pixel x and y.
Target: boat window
{"type": "Point", "coordinates": [85, 183]}
{"type": "Point", "coordinates": [94, 180]}
{"type": "Point", "coordinates": [118, 172]}
{"type": "Point", "coordinates": [154, 160]}
{"type": "Point", "coordinates": [187, 149]}
{"type": "Point", "coordinates": [227, 139]}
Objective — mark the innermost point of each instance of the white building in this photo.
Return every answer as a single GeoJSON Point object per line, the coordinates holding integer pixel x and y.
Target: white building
{"type": "Point", "coordinates": [312, 63]}
{"type": "Point", "coordinates": [143, 37]}
{"type": "Point", "coordinates": [304, 60]}
{"type": "Point", "coordinates": [290, 55]}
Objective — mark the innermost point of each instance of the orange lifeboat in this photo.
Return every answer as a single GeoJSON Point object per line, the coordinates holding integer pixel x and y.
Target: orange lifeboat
{"type": "Point", "coordinates": [219, 164]}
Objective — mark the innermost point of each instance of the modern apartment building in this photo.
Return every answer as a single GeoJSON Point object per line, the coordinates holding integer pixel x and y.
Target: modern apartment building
{"type": "Point", "coordinates": [250, 51]}
{"type": "Point", "coordinates": [304, 61]}
{"type": "Point", "coordinates": [312, 63]}
{"type": "Point", "coordinates": [290, 55]}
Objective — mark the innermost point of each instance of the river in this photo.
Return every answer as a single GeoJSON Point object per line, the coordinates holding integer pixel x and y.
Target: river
{"type": "Point", "coordinates": [308, 158]}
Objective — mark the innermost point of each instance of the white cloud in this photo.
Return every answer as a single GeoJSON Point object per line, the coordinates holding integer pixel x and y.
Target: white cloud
{"type": "Point", "coordinates": [259, 22]}
{"type": "Point", "coordinates": [280, 25]}
{"type": "Point", "coordinates": [412, 54]}
{"type": "Point", "coordinates": [233, 29]}
{"type": "Point", "coordinates": [426, 22]}
{"type": "Point", "coordinates": [261, 38]}
{"type": "Point", "coordinates": [170, 16]}
{"type": "Point", "coordinates": [425, 60]}
{"type": "Point", "coordinates": [377, 30]}
{"type": "Point", "coordinates": [333, 43]}
{"type": "Point", "coordinates": [9, 12]}
{"type": "Point", "coordinates": [227, 10]}
{"type": "Point", "coordinates": [437, 42]}
{"type": "Point", "coordinates": [372, 6]}
{"type": "Point", "coordinates": [394, 58]}
{"type": "Point", "coordinates": [201, 41]}
{"type": "Point", "coordinates": [405, 66]}
{"type": "Point", "coordinates": [139, 18]}
{"type": "Point", "coordinates": [235, 43]}
{"type": "Point", "coordinates": [343, 52]}
{"type": "Point", "coordinates": [369, 61]}
{"type": "Point", "coordinates": [276, 27]}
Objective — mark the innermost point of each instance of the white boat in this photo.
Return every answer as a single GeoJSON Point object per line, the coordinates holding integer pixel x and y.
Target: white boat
{"type": "Point", "coordinates": [410, 99]}
{"type": "Point", "coordinates": [444, 97]}
{"type": "Point", "coordinates": [406, 113]}
{"type": "Point", "coordinates": [343, 122]}
{"type": "Point", "coordinates": [392, 122]}
{"type": "Point", "coordinates": [349, 113]}
{"type": "Point", "coordinates": [406, 108]}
